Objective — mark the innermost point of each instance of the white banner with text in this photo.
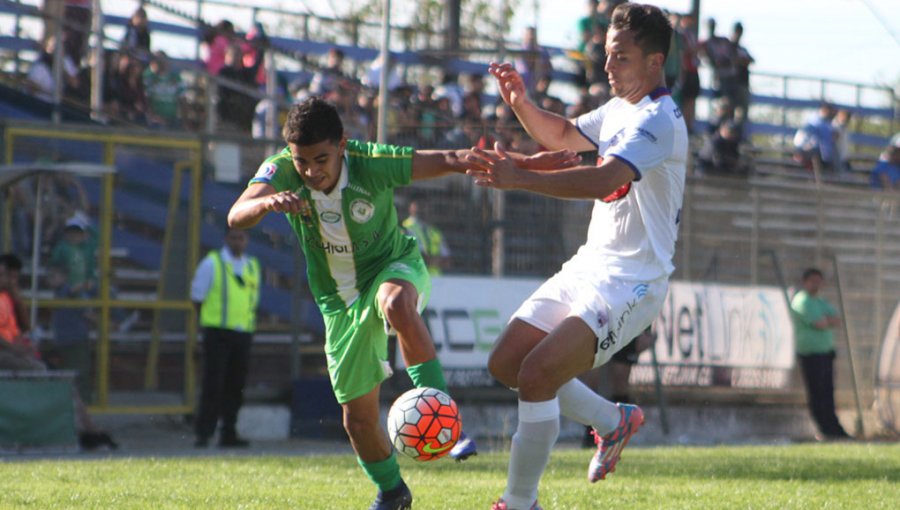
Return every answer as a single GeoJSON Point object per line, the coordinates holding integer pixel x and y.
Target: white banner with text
{"type": "Point", "coordinates": [721, 335]}
{"type": "Point", "coordinates": [707, 334]}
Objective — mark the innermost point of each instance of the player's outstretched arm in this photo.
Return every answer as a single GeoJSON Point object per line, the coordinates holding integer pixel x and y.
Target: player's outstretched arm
{"type": "Point", "coordinates": [258, 200]}
{"type": "Point", "coordinates": [547, 128]}
{"type": "Point", "coordinates": [428, 164]}
{"type": "Point", "coordinates": [498, 171]}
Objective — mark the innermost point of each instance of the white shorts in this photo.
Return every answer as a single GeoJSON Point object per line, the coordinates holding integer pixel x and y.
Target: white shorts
{"type": "Point", "coordinates": [616, 310]}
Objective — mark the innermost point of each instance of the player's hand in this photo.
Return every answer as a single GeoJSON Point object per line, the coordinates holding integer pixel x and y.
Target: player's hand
{"type": "Point", "coordinates": [550, 160]}
{"type": "Point", "coordinates": [284, 202]}
{"type": "Point", "coordinates": [509, 83]}
{"type": "Point", "coordinates": [497, 170]}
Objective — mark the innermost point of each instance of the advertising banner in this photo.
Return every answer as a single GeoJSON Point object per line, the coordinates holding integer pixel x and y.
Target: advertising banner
{"type": "Point", "coordinates": [465, 315]}
{"type": "Point", "coordinates": [706, 334]}
{"type": "Point", "coordinates": [721, 335]}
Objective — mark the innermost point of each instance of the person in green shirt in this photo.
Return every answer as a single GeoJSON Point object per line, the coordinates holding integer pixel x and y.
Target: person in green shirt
{"type": "Point", "coordinates": [814, 318]}
{"type": "Point", "coordinates": [367, 277]}
{"type": "Point", "coordinates": [164, 88]}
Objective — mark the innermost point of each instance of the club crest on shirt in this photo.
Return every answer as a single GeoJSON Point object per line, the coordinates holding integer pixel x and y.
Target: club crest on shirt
{"type": "Point", "coordinates": [330, 217]}
{"type": "Point", "coordinates": [361, 210]}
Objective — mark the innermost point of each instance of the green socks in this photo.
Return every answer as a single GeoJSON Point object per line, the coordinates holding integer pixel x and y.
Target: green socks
{"type": "Point", "coordinates": [428, 374]}
{"type": "Point", "coordinates": [384, 473]}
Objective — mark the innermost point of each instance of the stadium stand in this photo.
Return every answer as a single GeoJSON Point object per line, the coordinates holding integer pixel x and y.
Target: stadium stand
{"type": "Point", "coordinates": [730, 226]}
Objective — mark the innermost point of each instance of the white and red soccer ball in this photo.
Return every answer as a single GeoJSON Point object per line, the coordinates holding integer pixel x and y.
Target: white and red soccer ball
{"type": "Point", "coordinates": [424, 424]}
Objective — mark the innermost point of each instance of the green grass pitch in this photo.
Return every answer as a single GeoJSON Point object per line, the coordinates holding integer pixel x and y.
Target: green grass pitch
{"type": "Point", "coordinates": [813, 476]}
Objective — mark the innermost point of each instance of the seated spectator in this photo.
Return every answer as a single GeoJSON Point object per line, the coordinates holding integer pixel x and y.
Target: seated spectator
{"type": "Point", "coordinates": [721, 152]}
{"type": "Point", "coordinates": [40, 76]}
{"type": "Point", "coordinates": [886, 174]}
{"type": "Point", "coordinates": [137, 35]}
{"type": "Point", "coordinates": [814, 143]}
{"type": "Point", "coordinates": [163, 88]}
{"type": "Point", "coordinates": [17, 352]}
{"type": "Point", "coordinates": [125, 94]}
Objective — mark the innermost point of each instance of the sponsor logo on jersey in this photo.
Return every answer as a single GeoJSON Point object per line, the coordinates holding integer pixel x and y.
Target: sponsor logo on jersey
{"type": "Point", "coordinates": [330, 217]}
{"type": "Point", "coordinates": [361, 210]}
{"type": "Point", "coordinates": [647, 134]}
{"type": "Point", "coordinates": [612, 337]}
{"type": "Point", "coordinates": [399, 267]}
{"type": "Point", "coordinates": [266, 171]}
{"type": "Point", "coordinates": [338, 249]}
{"type": "Point", "coordinates": [640, 290]}
{"type": "Point", "coordinates": [359, 189]}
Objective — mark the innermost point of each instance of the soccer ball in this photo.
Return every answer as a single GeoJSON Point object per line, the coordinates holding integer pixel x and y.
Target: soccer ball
{"type": "Point", "coordinates": [424, 424]}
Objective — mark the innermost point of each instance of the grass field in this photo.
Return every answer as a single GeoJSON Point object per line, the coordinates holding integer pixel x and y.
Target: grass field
{"type": "Point", "coordinates": [814, 476]}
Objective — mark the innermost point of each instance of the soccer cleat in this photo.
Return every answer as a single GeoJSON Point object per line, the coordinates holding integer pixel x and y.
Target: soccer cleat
{"type": "Point", "coordinates": [610, 446]}
{"type": "Point", "coordinates": [398, 498]}
{"type": "Point", "coordinates": [464, 448]}
{"type": "Point", "coordinates": [501, 505]}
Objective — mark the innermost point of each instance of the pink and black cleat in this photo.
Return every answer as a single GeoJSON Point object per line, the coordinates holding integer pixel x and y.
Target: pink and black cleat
{"type": "Point", "coordinates": [610, 446]}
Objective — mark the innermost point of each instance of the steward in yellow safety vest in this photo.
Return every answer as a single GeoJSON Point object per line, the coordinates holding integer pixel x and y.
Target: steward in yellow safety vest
{"type": "Point", "coordinates": [226, 291]}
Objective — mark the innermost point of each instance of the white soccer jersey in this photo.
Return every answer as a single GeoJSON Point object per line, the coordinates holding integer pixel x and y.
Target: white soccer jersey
{"type": "Point", "coordinates": [632, 232]}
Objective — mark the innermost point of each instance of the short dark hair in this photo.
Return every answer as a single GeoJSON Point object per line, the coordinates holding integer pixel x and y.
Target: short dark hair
{"type": "Point", "coordinates": [11, 262]}
{"type": "Point", "coordinates": [313, 121]}
{"type": "Point", "coordinates": [651, 28]}
{"type": "Point", "coordinates": [812, 271]}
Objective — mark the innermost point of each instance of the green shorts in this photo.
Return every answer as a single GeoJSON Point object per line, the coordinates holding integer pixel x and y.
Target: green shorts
{"type": "Point", "coordinates": [356, 338]}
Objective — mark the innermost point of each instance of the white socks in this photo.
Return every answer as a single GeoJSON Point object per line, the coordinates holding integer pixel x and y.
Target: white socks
{"type": "Point", "coordinates": [530, 452]}
{"type": "Point", "coordinates": [579, 403]}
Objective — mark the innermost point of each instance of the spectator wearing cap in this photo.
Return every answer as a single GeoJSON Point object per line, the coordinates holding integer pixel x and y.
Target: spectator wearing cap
{"type": "Point", "coordinates": [72, 275]}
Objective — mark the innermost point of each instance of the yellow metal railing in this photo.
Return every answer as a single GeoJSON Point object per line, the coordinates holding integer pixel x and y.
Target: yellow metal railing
{"type": "Point", "coordinates": [104, 301]}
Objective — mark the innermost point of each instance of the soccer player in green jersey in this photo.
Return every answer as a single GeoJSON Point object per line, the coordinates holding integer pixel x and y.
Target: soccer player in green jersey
{"type": "Point", "coordinates": [366, 275]}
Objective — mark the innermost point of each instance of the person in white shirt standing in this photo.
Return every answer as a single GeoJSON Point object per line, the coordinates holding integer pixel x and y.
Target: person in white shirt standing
{"type": "Point", "coordinates": [225, 292]}
{"type": "Point", "coordinates": [614, 287]}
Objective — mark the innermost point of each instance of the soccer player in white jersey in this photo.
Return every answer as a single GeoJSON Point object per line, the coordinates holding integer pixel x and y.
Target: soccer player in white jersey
{"type": "Point", "coordinates": [615, 285]}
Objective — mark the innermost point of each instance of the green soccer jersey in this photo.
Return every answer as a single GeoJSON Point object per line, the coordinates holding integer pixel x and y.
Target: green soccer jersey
{"type": "Point", "coordinates": [352, 233]}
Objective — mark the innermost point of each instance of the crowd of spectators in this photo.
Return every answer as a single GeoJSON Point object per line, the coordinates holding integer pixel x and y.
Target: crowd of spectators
{"type": "Point", "coordinates": [442, 111]}
{"type": "Point", "coordinates": [141, 87]}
